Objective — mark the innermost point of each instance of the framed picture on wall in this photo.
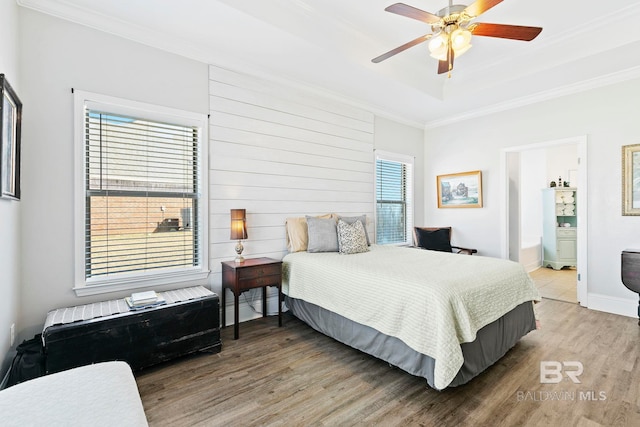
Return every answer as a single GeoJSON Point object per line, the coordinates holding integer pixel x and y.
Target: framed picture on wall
{"type": "Point", "coordinates": [460, 190]}
{"type": "Point", "coordinates": [10, 123]}
{"type": "Point", "coordinates": [631, 179]}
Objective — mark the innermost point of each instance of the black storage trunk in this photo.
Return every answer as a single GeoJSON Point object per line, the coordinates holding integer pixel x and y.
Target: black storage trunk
{"type": "Point", "coordinates": [140, 338]}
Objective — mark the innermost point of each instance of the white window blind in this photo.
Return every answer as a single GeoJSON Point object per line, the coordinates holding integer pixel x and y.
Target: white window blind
{"type": "Point", "coordinates": [143, 202]}
{"type": "Point", "coordinates": [394, 199]}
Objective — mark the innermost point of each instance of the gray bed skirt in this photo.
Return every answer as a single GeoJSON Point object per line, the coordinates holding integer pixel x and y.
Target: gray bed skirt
{"type": "Point", "coordinates": [492, 341]}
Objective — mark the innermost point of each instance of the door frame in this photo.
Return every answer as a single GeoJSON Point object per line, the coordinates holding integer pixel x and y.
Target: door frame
{"type": "Point", "coordinates": [581, 211]}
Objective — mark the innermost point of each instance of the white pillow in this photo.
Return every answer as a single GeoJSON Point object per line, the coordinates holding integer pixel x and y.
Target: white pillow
{"type": "Point", "coordinates": [296, 232]}
{"type": "Point", "coordinates": [322, 235]}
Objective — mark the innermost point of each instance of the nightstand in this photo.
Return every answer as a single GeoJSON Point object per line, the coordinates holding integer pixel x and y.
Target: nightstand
{"type": "Point", "coordinates": [252, 273]}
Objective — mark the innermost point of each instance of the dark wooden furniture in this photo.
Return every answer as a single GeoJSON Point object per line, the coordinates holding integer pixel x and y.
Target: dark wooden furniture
{"type": "Point", "coordinates": [446, 240]}
{"type": "Point", "coordinates": [630, 271]}
{"type": "Point", "coordinates": [141, 338]}
{"type": "Point", "coordinates": [250, 274]}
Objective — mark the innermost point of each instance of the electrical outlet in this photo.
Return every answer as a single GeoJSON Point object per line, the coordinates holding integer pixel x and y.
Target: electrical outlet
{"type": "Point", "coordinates": [13, 334]}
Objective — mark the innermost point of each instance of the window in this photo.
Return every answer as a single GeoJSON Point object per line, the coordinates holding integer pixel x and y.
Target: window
{"type": "Point", "coordinates": [141, 195]}
{"type": "Point", "coordinates": [394, 198]}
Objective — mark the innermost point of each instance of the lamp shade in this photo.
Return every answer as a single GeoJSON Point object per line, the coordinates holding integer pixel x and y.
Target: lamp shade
{"type": "Point", "coordinates": [238, 224]}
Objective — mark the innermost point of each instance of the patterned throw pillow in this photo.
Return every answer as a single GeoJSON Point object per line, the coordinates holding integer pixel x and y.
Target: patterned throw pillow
{"type": "Point", "coordinates": [351, 238]}
{"type": "Point", "coordinates": [362, 218]}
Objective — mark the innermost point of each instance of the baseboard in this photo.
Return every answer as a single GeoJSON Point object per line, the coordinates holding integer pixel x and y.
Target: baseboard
{"type": "Point", "coordinates": [614, 305]}
{"type": "Point", "coordinates": [532, 266]}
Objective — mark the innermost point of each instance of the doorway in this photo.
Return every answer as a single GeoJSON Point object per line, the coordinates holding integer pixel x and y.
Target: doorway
{"type": "Point", "coordinates": [522, 213]}
{"type": "Point", "coordinates": [556, 284]}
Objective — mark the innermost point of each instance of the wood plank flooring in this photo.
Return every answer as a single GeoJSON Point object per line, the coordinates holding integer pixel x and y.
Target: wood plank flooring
{"type": "Point", "coordinates": [295, 376]}
{"type": "Point", "coordinates": [557, 284]}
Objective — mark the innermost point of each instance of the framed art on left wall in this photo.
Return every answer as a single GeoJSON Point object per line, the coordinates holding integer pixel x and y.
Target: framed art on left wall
{"type": "Point", "coordinates": [10, 124]}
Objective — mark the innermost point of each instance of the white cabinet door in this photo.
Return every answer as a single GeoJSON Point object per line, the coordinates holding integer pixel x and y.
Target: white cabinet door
{"type": "Point", "coordinates": [567, 250]}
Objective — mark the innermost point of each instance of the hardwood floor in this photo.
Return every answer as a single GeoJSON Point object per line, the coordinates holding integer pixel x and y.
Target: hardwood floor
{"type": "Point", "coordinates": [295, 376]}
{"type": "Point", "coordinates": [557, 284]}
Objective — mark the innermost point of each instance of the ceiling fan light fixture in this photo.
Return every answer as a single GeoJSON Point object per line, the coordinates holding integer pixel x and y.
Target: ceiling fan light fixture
{"type": "Point", "coordinates": [452, 29]}
{"type": "Point", "coordinates": [460, 39]}
{"type": "Point", "coordinates": [438, 46]}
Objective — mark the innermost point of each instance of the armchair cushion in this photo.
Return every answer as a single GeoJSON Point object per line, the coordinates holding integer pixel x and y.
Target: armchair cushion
{"type": "Point", "coordinates": [435, 240]}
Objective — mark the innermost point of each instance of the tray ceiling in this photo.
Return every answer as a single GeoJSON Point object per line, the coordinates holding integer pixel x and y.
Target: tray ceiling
{"type": "Point", "coordinates": [327, 45]}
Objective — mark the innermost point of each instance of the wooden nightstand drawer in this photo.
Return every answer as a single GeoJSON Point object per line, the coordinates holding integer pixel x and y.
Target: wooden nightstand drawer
{"type": "Point", "coordinates": [266, 270]}
{"type": "Point", "coordinates": [258, 282]}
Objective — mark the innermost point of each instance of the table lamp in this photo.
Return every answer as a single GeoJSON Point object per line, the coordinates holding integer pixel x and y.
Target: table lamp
{"type": "Point", "coordinates": [239, 230]}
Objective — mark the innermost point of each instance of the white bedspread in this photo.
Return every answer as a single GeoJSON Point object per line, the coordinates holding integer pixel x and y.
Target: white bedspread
{"type": "Point", "coordinates": [432, 301]}
{"type": "Point", "coordinates": [104, 394]}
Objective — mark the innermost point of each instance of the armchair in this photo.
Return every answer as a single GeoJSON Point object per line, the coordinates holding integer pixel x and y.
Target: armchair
{"type": "Point", "coordinates": [437, 239]}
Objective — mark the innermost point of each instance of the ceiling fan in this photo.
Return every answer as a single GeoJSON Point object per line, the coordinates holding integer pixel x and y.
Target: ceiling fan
{"type": "Point", "coordinates": [452, 30]}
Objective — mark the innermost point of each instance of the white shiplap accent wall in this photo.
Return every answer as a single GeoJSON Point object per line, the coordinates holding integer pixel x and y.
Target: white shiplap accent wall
{"type": "Point", "coordinates": [279, 152]}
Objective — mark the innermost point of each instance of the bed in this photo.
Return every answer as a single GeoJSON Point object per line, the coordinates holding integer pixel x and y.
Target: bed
{"type": "Point", "coordinates": [441, 316]}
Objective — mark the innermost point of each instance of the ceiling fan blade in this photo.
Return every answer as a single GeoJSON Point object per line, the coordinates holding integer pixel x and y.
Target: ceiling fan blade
{"type": "Point", "coordinates": [481, 6]}
{"type": "Point", "coordinates": [401, 48]}
{"type": "Point", "coordinates": [513, 32]}
{"type": "Point", "coordinates": [447, 66]}
{"type": "Point", "coordinates": [412, 12]}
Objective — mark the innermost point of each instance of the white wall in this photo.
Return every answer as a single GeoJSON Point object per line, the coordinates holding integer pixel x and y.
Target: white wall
{"type": "Point", "coordinates": [250, 163]}
{"type": "Point", "coordinates": [280, 153]}
{"type": "Point", "coordinates": [561, 160]}
{"type": "Point", "coordinates": [607, 115]}
{"type": "Point", "coordinates": [57, 56]}
{"type": "Point", "coordinates": [10, 259]}
{"type": "Point", "coordinates": [533, 176]}
{"type": "Point", "coordinates": [538, 167]}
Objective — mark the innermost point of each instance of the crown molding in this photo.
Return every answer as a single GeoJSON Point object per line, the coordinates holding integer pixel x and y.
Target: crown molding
{"type": "Point", "coordinates": [199, 52]}
{"type": "Point", "coordinates": [582, 86]}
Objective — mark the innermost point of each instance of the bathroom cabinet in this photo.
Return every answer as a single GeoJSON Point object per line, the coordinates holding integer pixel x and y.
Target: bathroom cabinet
{"type": "Point", "coordinates": [559, 227]}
